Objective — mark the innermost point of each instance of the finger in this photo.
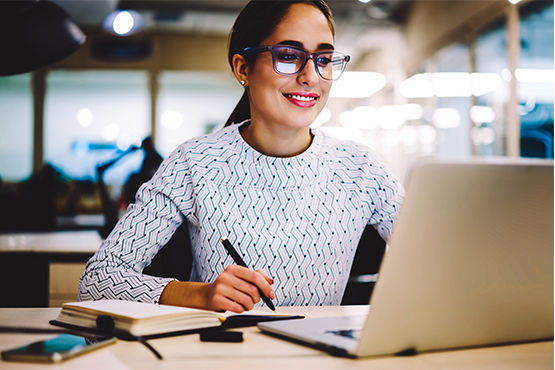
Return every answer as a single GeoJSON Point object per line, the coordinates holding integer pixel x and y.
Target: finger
{"type": "Point", "coordinates": [268, 279]}
{"type": "Point", "coordinates": [265, 285]}
{"type": "Point", "coordinates": [226, 296]}
{"type": "Point", "coordinates": [226, 304]}
{"type": "Point", "coordinates": [234, 285]}
{"type": "Point", "coordinates": [253, 277]}
{"type": "Point", "coordinates": [267, 292]}
{"type": "Point", "coordinates": [247, 289]}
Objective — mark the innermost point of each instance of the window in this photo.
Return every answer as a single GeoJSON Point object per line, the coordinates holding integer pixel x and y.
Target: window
{"type": "Point", "coordinates": [16, 128]}
{"type": "Point", "coordinates": [535, 77]}
{"type": "Point", "coordinates": [451, 114]}
{"type": "Point", "coordinates": [489, 110]}
{"type": "Point", "coordinates": [192, 104]}
{"type": "Point", "coordinates": [91, 117]}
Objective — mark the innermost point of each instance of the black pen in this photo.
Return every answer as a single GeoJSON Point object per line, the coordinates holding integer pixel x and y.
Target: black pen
{"type": "Point", "coordinates": [238, 260]}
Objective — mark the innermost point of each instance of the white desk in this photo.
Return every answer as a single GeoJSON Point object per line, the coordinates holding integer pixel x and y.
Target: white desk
{"type": "Point", "coordinates": [86, 242]}
{"type": "Point", "coordinates": [260, 351]}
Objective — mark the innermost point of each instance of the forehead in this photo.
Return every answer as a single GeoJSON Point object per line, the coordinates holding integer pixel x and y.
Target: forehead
{"type": "Point", "coordinates": [303, 23]}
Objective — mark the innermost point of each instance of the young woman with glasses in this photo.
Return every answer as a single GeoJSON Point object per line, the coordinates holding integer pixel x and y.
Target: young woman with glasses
{"type": "Point", "coordinates": [291, 199]}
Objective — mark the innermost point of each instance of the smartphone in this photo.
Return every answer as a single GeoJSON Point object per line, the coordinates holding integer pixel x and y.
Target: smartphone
{"type": "Point", "coordinates": [56, 349]}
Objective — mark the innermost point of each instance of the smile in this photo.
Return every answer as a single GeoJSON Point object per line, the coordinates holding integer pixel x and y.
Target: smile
{"type": "Point", "coordinates": [301, 98]}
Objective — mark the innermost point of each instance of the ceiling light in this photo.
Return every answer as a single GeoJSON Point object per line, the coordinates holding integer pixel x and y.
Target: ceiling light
{"type": "Point", "coordinates": [171, 119]}
{"type": "Point", "coordinates": [452, 84]}
{"type": "Point", "coordinates": [366, 117]}
{"type": "Point", "coordinates": [506, 74]}
{"type": "Point", "coordinates": [361, 118]}
{"type": "Point", "coordinates": [357, 85]}
{"type": "Point", "coordinates": [391, 117]}
{"type": "Point", "coordinates": [483, 135]}
{"type": "Point", "coordinates": [535, 75]}
{"type": "Point", "coordinates": [446, 118]}
{"type": "Point", "coordinates": [449, 84]}
{"type": "Point", "coordinates": [483, 83]}
{"type": "Point", "coordinates": [85, 117]}
{"type": "Point", "coordinates": [426, 134]}
{"type": "Point", "coordinates": [418, 86]}
{"type": "Point", "coordinates": [480, 114]}
{"type": "Point", "coordinates": [409, 135]}
{"type": "Point", "coordinates": [123, 22]}
{"type": "Point", "coordinates": [412, 111]}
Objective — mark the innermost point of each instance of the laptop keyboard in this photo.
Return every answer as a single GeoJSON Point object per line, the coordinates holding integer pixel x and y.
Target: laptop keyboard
{"type": "Point", "coordinates": [349, 333]}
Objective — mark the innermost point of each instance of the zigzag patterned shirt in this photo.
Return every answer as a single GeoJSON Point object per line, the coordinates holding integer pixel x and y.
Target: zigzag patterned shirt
{"type": "Point", "coordinates": [299, 218]}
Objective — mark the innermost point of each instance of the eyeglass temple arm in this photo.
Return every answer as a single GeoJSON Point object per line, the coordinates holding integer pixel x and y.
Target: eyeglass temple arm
{"type": "Point", "coordinates": [254, 50]}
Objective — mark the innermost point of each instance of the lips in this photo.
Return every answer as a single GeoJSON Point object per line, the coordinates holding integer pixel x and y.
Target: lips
{"type": "Point", "coordinates": [302, 99]}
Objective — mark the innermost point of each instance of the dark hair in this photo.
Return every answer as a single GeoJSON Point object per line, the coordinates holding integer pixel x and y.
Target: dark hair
{"type": "Point", "coordinates": [256, 22]}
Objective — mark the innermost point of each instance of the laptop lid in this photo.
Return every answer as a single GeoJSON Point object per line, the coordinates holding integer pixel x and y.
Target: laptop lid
{"type": "Point", "coordinates": [470, 263]}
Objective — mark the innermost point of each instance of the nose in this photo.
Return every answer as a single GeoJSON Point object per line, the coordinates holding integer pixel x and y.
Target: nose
{"type": "Point", "coordinates": [308, 75]}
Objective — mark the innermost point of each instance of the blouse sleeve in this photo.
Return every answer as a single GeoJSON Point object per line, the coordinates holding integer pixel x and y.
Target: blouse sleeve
{"type": "Point", "coordinates": [115, 270]}
{"type": "Point", "coordinates": [385, 193]}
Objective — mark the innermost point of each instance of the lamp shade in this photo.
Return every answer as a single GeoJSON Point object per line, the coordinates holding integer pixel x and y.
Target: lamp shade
{"type": "Point", "coordinates": [34, 34]}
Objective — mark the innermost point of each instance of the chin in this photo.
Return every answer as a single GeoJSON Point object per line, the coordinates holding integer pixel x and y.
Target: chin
{"type": "Point", "coordinates": [301, 123]}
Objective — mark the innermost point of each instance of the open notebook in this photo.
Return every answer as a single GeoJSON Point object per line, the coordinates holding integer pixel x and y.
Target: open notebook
{"type": "Point", "coordinates": [151, 321]}
{"type": "Point", "coordinates": [470, 263]}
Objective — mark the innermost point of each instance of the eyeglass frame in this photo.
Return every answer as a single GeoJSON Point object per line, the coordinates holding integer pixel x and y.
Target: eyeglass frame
{"type": "Point", "coordinates": [253, 50]}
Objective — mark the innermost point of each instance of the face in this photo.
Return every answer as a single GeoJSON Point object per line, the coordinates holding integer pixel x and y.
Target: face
{"type": "Point", "coordinates": [291, 101]}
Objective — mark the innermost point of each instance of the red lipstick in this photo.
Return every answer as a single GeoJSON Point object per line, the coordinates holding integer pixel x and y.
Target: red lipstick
{"type": "Point", "coordinates": [302, 99]}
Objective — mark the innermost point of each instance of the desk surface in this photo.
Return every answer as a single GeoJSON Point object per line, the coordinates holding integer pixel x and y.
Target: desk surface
{"type": "Point", "coordinates": [260, 351]}
{"type": "Point", "coordinates": [51, 242]}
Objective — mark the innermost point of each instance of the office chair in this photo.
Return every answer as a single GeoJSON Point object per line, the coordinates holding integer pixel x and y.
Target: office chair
{"type": "Point", "coordinates": [175, 260]}
{"type": "Point", "coordinates": [536, 143]}
{"type": "Point", "coordinates": [366, 264]}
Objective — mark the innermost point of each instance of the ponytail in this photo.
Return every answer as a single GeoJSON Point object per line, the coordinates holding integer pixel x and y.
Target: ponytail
{"type": "Point", "coordinates": [241, 112]}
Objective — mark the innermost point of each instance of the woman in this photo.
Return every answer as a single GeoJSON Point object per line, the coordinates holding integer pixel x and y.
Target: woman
{"type": "Point", "coordinates": [292, 200]}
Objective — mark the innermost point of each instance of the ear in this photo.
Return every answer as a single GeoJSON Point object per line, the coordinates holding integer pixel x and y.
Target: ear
{"type": "Point", "coordinates": [240, 68]}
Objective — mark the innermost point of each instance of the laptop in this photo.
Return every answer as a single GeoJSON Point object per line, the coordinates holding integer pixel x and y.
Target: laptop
{"type": "Point", "coordinates": [469, 263]}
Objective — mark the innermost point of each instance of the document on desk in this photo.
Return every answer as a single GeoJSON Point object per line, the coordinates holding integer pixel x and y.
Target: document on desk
{"type": "Point", "coordinates": [149, 320]}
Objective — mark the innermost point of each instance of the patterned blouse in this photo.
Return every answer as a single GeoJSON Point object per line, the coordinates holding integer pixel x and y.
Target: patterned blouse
{"type": "Point", "coordinates": [298, 218]}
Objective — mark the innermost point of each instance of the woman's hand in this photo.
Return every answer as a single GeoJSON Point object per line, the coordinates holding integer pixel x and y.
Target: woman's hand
{"type": "Point", "coordinates": [235, 289]}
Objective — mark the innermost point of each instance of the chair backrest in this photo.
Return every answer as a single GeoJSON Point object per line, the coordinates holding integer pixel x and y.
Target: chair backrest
{"type": "Point", "coordinates": [175, 260]}
{"type": "Point", "coordinates": [366, 264]}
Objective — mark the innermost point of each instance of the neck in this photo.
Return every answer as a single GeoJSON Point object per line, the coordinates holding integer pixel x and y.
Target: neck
{"type": "Point", "coordinates": [277, 142]}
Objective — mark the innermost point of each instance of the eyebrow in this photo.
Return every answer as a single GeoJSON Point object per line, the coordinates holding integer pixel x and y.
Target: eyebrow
{"type": "Point", "coordinates": [324, 46]}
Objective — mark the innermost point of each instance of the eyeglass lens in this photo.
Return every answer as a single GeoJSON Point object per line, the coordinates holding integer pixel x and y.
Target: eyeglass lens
{"type": "Point", "coordinates": [291, 61]}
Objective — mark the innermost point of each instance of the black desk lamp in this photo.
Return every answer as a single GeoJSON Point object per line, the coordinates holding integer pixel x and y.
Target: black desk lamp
{"type": "Point", "coordinates": [34, 34]}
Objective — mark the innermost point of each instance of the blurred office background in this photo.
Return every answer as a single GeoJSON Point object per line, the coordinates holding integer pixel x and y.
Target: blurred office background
{"type": "Point", "coordinates": [427, 78]}
{"type": "Point", "coordinates": [444, 78]}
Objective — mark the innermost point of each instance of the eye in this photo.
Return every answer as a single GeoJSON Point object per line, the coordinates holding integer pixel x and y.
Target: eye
{"type": "Point", "coordinates": [288, 55]}
{"type": "Point", "coordinates": [325, 59]}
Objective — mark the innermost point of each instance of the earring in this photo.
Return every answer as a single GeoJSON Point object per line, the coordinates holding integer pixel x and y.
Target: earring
{"type": "Point", "coordinates": [242, 82]}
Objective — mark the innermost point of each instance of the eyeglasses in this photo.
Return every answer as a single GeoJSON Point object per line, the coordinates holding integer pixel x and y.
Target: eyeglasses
{"type": "Point", "coordinates": [290, 60]}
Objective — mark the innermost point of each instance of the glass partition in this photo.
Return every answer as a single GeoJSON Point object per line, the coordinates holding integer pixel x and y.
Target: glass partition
{"type": "Point", "coordinates": [489, 110]}
{"type": "Point", "coordinates": [16, 128]}
{"type": "Point", "coordinates": [92, 117]}
{"type": "Point", "coordinates": [192, 104]}
{"type": "Point", "coordinates": [535, 79]}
